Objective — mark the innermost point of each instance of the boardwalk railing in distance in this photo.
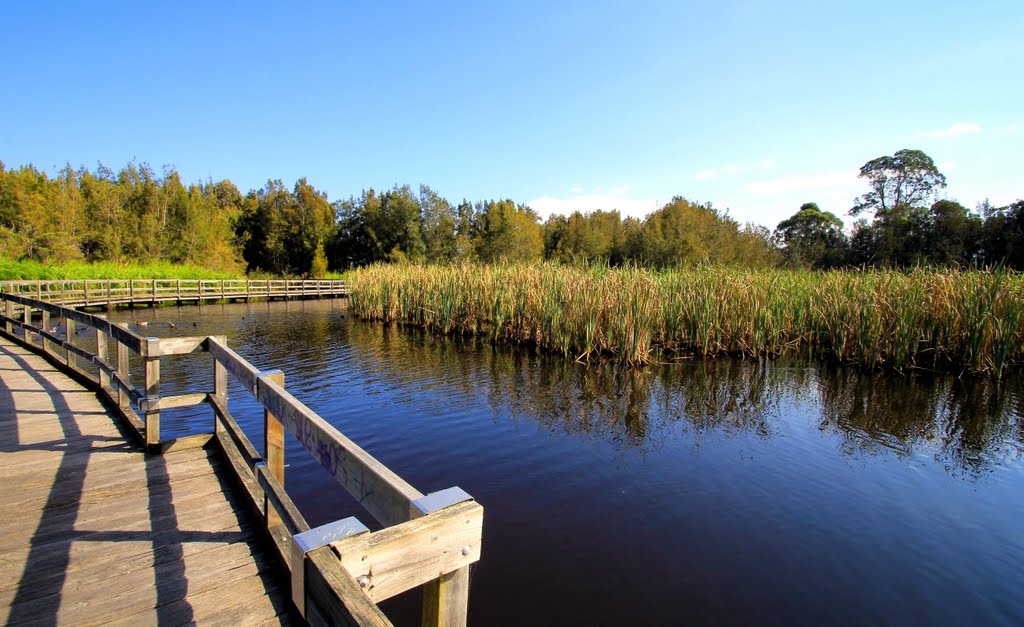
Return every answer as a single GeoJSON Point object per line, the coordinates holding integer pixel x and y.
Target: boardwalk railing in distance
{"type": "Point", "coordinates": [339, 571]}
{"type": "Point", "coordinates": [111, 292]}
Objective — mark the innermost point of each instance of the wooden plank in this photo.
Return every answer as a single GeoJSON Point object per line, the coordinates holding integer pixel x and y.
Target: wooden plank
{"type": "Point", "coordinates": [382, 492]}
{"type": "Point", "coordinates": [246, 373]}
{"type": "Point", "coordinates": [402, 557]}
{"type": "Point", "coordinates": [333, 597]}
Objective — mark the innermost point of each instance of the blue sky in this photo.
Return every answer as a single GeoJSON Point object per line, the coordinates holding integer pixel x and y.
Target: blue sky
{"type": "Point", "coordinates": [753, 106]}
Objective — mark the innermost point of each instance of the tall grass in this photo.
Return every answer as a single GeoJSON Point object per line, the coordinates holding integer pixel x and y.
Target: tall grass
{"type": "Point", "coordinates": [959, 320]}
{"type": "Point", "coordinates": [33, 270]}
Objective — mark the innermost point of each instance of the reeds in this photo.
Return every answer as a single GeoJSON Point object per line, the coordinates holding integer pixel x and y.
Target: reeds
{"type": "Point", "coordinates": [954, 320]}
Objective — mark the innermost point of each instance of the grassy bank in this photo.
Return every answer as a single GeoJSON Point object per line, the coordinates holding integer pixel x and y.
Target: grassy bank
{"type": "Point", "coordinates": [961, 321]}
{"type": "Point", "coordinates": [33, 270]}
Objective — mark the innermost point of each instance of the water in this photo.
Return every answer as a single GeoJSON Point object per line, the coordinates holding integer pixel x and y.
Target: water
{"type": "Point", "coordinates": [706, 493]}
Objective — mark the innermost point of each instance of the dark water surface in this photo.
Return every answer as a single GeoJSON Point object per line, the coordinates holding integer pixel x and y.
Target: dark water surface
{"type": "Point", "coordinates": [707, 493]}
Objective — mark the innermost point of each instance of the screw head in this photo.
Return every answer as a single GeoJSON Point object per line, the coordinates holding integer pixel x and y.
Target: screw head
{"type": "Point", "coordinates": [466, 550]}
{"type": "Point", "coordinates": [363, 581]}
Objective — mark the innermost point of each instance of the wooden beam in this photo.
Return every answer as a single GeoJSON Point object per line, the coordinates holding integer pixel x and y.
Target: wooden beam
{"type": "Point", "coordinates": [446, 600]}
{"type": "Point", "coordinates": [246, 373]}
{"type": "Point", "coordinates": [153, 392]}
{"type": "Point", "coordinates": [123, 377]}
{"type": "Point", "coordinates": [235, 432]}
{"type": "Point", "coordinates": [176, 346]}
{"type": "Point", "coordinates": [103, 377]}
{"type": "Point", "coordinates": [377, 488]}
{"type": "Point", "coordinates": [69, 338]}
{"type": "Point", "coordinates": [173, 402]}
{"type": "Point", "coordinates": [333, 597]}
{"type": "Point", "coordinates": [278, 501]}
{"type": "Point", "coordinates": [413, 553]}
{"type": "Point", "coordinates": [273, 441]}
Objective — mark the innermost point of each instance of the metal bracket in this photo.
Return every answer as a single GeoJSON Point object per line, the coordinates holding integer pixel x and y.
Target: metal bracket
{"type": "Point", "coordinates": [313, 539]}
{"type": "Point", "coordinates": [437, 500]}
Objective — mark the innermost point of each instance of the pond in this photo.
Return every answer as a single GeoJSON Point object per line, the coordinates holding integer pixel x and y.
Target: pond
{"type": "Point", "coordinates": [725, 491]}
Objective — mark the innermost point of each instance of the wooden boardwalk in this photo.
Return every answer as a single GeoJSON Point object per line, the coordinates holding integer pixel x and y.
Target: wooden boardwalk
{"type": "Point", "coordinates": [93, 531]}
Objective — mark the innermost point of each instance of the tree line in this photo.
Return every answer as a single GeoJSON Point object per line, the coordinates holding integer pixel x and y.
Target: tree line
{"type": "Point", "coordinates": [137, 215]}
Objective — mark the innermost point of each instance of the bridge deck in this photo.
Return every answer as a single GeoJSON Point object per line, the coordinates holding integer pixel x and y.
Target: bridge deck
{"type": "Point", "coordinates": [92, 531]}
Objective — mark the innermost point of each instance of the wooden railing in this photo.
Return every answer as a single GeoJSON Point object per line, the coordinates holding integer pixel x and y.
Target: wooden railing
{"type": "Point", "coordinates": [338, 571]}
{"type": "Point", "coordinates": [109, 292]}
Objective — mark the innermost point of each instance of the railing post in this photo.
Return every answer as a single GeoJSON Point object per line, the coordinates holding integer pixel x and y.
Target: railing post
{"type": "Point", "coordinates": [10, 316]}
{"type": "Point", "coordinates": [69, 337]}
{"type": "Point", "coordinates": [122, 369]}
{"type": "Point", "coordinates": [44, 324]}
{"type": "Point", "coordinates": [152, 397]}
{"type": "Point", "coordinates": [446, 599]}
{"type": "Point", "coordinates": [220, 389]}
{"type": "Point", "coordinates": [273, 448]}
{"type": "Point", "coordinates": [26, 314]}
{"type": "Point", "coordinates": [101, 352]}
{"type": "Point", "coordinates": [108, 293]}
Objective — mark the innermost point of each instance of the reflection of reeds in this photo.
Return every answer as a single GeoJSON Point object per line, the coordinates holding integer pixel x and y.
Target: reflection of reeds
{"type": "Point", "coordinates": [961, 320]}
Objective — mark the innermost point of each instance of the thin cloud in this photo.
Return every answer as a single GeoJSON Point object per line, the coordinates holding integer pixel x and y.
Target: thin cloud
{"type": "Point", "coordinates": [813, 182]}
{"type": "Point", "coordinates": [957, 130]}
{"type": "Point", "coordinates": [1015, 128]}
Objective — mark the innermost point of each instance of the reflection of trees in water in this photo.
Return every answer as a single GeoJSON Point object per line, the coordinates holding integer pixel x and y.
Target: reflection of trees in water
{"type": "Point", "coordinates": [971, 423]}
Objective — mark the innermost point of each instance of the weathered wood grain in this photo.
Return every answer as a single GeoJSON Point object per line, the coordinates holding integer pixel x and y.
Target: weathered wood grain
{"type": "Point", "coordinates": [92, 531]}
{"type": "Point", "coordinates": [411, 554]}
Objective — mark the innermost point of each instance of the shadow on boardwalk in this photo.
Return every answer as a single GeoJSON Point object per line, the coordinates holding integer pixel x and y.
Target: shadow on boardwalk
{"type": "Point", "coordinates": [94, 531]}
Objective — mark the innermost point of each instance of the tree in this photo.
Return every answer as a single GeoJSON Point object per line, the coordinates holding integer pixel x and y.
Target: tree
{"type": "Point", "coordinates": [438, 226]}
{"type": "Point", "coordinates": [906, 179]}
{"type": "Point", "coordinates": [812, 238]}
{"type": "Point", "coordinates": [953, 234]}
{"type": "Point", "coordinates": [508, 232]}
{"type": "Point", "coordinates": [1002, 235]}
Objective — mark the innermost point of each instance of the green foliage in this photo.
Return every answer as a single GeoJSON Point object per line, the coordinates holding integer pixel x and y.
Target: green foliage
{"type": "Point", "coordinates": [906, 179]}
{"type": "Point", "coordinates": [132, 215]}
{"type": "Point", "coordinates": [812, 238]}
{"type": "Point", "coordinates": [27, 270]}
{"type": "Point", "coordinates": [318, 270]}
{"type": "Point", "coordinates": [964, 321]}
{"type": "Point", "coordinates": [508, 232]}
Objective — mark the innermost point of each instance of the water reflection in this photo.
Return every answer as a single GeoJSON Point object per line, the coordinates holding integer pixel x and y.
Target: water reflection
{"type": "Point", "coordinates": [968, 425]}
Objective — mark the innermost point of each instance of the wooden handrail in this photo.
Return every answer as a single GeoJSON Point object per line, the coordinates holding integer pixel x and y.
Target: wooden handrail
{"type": "Point", "coordinates": [339, 571]}
{"type": "Point", "coordinates": [110, 292]}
